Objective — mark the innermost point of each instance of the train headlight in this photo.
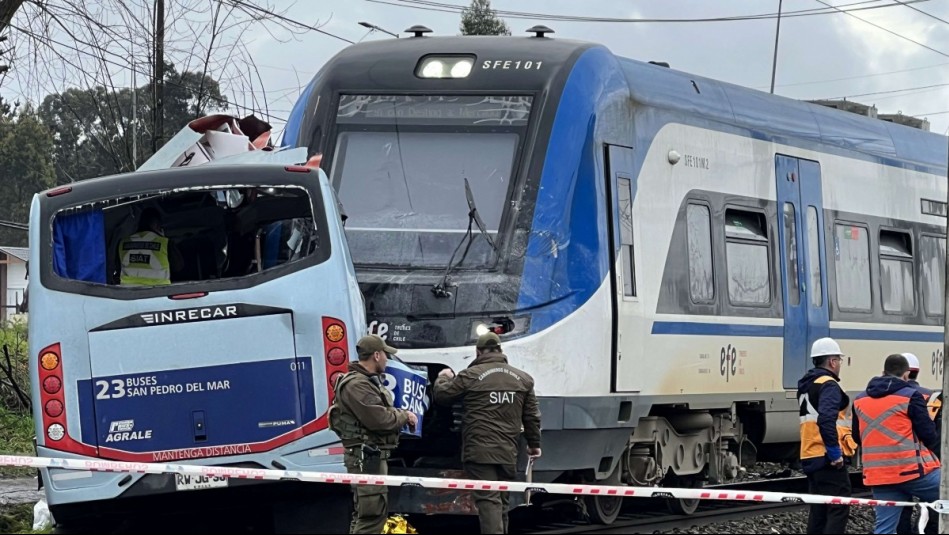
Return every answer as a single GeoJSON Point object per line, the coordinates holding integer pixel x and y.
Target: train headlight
{"type": "Point", "coordinates": [505, 327]}
{"type": "Point", "coordinates": [445, 67]}
{"type": "Point", "coordinates": [461, 69]}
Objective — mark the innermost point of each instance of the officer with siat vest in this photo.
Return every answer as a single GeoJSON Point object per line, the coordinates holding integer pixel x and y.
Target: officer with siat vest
{"type": "Point", "coordinates": [147, 257]}
{"type": "Point", "coordinates": [364, 417]}
{"type": "Point", "coordinates": [826, 436]}
{"type": "Point", "coordinates": [500, 404]}
{"type": "Point", "coordinates": [933, 399]}
{"type": "Point", "coordinates": [897, 439]}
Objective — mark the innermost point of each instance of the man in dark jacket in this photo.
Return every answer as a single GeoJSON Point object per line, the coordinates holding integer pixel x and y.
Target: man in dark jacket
{"type": "Point", "coordinates": [822, 403]}
{"type": "Point", "coordinates": [898, 439]}
{"type": "Point", "coordinates": [498, 400]}
{"type": "Point", "coordinates": [368, 424]}
{"type": "Point", "coordinates": [933, 401]}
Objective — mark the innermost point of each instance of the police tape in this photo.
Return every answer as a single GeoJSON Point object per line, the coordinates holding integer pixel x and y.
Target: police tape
{"type": "Point", "coordinates": [940, 506]}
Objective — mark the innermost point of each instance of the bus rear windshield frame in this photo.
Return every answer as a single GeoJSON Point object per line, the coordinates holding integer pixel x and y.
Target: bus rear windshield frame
{"type": "Point", "coordinates": [164, 185]}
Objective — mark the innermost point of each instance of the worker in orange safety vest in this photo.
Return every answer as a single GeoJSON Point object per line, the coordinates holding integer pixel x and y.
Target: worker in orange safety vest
{"type": "Point", "coordinates": [897, 439]}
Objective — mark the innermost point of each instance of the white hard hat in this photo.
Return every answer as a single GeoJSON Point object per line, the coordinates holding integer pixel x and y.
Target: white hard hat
{"type": "Point", "coordinates": [824, 347]}
{"type": "Point", "coordinates": [913, 361]}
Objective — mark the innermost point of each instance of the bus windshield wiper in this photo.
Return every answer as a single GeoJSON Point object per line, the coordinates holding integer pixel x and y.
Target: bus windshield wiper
{"type": "Point", "coordinates": [441, 288]}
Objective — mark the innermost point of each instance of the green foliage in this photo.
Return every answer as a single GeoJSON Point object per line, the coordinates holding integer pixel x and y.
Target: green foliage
{"type": "Point", "coordinates": [15, 372]}
{"type": "Point", "coordinates": [16, 432]}
{"type": "Point", "coordinates": [18, 519]}
{"type": "Point", "coordinates": [25, 167]}
{"type": "Point", "coordinates": [480, 19]}
{"type": "Point", "coordinates": [16, 438]}
{"type": "Point", "coordinates": [94, 127]}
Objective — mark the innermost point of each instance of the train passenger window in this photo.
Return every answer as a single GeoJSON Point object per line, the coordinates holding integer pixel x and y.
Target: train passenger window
{"type": "Point", "coordinates": [852, 250]}
{"type": "Point", "coordinates": [701, 282]}
{"type": "Point", "coordinates": [813, 253]}
{"type": "Point", "coordinates": [746, 252]}
{"type": "Point", "coordinates": [932, 259]}
{"type": "Point", "coordinates": [626, 236]}
{"type": "Point", "coordinates": [896, 272]}
{"type": "Point", "coordinates": [790, 254]}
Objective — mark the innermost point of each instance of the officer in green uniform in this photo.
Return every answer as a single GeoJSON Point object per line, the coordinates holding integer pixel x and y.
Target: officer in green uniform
{"type": "Point", "coordinates": [368, 424]}
{"type": "Point", "coordinates": [499, 402]}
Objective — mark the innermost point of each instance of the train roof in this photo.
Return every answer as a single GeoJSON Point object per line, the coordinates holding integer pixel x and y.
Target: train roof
{"type": "Point", "coordinates": [390, 64]}
{"type": "Point", "coordinates": [781, 116]}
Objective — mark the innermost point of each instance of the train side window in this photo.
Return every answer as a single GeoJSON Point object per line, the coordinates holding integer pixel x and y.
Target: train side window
{"type": "Point", "coordinates": [701, 281]}
{"type": "Point", "coordinates": [813, 253]}
{"type": "Point", "coordinates": [896, 272]}
{"type": "Point", "coordinates": [852, 251]}
{"type": "Point", "coordinates": [790, 254]}
{"type": "Point", "coordinates": [746, 257]}
{"type": "Point", "coordinates": [626, 236]}
{"type": "Point", "coordinates": [932, 259]}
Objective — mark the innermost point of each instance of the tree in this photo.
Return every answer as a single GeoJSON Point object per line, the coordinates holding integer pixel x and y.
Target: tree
{"type": "Point", "coordinates": [86, 51]}
{"type": "Point", "coordinates": [94, 127]}
{"type": "Point", "coordinates": [25, 168]}
{"type": "Point", "coordinates": [480, 19]}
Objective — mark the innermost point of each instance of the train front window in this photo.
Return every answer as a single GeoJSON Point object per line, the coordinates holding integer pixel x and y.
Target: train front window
{"type": "Point", "coordinates": [400, 168]}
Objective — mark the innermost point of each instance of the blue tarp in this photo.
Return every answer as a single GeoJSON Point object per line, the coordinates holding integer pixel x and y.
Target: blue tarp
{"type": "Point", "coordinates": [79, 246]}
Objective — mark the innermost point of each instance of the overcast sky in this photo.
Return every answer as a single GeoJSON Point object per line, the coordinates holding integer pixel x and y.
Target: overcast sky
{"type": "Point", "coordinates": [821, 56]}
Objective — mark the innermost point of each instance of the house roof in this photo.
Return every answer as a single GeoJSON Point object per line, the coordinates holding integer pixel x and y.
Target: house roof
{"type": "Point", "coordinates": [22, 253]}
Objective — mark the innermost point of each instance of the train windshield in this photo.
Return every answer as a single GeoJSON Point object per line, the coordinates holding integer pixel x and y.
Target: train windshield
{"type": "Point", "coordinates": [400, 168]}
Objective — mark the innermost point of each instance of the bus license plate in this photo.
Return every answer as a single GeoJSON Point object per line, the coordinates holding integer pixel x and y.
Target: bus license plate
{"type": "Point", "coordinates": [194, 482]}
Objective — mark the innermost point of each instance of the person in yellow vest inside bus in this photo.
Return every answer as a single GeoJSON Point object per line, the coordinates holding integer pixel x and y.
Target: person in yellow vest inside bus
{"type": "Point", "coordinates": [933, 399]}
{"type": "Point", "coordinates": [147, 257]}
{"type": "Point", "coordinates": [826, 437]}
{"type": "Point", "coordinates": [897, 439]}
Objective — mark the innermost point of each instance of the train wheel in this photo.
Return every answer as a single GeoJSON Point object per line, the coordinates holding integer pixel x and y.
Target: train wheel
{"type": "Point", "coordinates": [683, 507]}
{"type": "Point", "coordinates": [605, 509]}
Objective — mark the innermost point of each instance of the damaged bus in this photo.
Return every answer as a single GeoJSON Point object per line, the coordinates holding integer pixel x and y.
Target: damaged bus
{"type": "Point", "coordinates": [188, 315]}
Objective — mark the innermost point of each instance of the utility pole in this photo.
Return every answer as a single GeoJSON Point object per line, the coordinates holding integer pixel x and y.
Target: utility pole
{"type": "Point", "coordinates": [158, 81]}
{"type": "Point", "coordinates": [3, 68]}
{"type": "Point", "coordinates": [777, 34]}
{"type": "Point", "coordinates": [944, 479]}
{"type": "Point", "coordinates": [134, 118]}
{"type": "Point", "coordinates": [7, 10]}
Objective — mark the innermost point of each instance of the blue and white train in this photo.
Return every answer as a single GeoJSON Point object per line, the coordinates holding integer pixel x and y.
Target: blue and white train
{"type": "Point", "coordinates": [657, 249]}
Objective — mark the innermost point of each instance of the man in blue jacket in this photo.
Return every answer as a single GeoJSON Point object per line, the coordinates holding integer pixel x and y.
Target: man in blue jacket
{"type": "Point", "coordinates": [822, 403]}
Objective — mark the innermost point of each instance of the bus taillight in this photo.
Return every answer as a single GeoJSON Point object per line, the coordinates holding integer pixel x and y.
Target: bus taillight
{"type": "Point", "coordinates": [336, 351]}
{"type": "Point", "coordinates": [53, 401]}
{"type": "Point", "coordinates": [53, 408]}
{"type": "Point", "coordinates": [52, 384]}
{"type": "Point", "coordinates": [336, 356]}
{"type": "Point", "coordinates": [51, 377]}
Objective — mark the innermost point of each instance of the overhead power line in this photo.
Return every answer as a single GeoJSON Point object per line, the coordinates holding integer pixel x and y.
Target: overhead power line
{"type": "Point", "coordinates": [887, 30]}
{"type": "Point", "coordinates": [295, 22]}
{"type": "Point", "coordinates": [904, 90]}
{"type": "Point", "coordinates": [430, 5]}
{"type": "Point", "coordinates": [930, 15]}
{"type": "Point", "coordinates": [133, 67]}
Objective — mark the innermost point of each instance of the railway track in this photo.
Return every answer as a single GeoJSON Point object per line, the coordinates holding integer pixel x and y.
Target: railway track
{"type": "Point", "coordinates": [650, 515]}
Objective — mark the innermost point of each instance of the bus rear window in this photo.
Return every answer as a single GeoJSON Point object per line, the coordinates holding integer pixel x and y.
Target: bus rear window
{"type": "Point", "coordinates": [181, 236]}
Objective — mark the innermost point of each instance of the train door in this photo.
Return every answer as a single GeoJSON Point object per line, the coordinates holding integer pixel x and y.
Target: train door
{"type": "Point", "coordinates": [803, 265]}
{"type": "Point", "coordinates": [627, 307]}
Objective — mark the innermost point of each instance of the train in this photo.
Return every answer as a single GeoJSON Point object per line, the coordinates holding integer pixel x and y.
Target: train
{"type": "Point", "coordinates": [657, 249]}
